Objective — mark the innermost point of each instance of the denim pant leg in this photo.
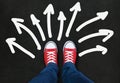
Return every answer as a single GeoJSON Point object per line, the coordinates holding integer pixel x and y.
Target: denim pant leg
{"type": "Point", "coordinates": [48, 75]}
{"type": "Point", "coordinates": [71, 75]}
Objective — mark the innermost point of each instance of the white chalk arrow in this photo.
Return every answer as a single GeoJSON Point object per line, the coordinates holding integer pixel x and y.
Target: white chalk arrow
{"type": "Point", "coordinates": [102, 32]}
{"type": "Point", "coordinates": [100, 16]}
{"type": "Point", "coordinates": [35, 21]}
{"type": "Point", "coordinates": [49, 11]}
{"type": "Point", "coordinates": [11, 42]}
{"type": "Point", "coordinates": [17, 22]}
{"type": "Point", "coordinates": [61, 18]}
{"type": "Point", "coordinates": [97, 49]}
{"type": "Point", "coordinates": [75, 9]}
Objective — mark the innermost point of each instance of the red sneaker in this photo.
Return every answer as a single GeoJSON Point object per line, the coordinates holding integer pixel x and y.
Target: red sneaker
{"type": "Point", "coordinates": [50, 53]}
{"type": "Point", "coordinates": [69, 52]}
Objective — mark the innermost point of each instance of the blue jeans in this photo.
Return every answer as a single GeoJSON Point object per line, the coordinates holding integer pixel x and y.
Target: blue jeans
{"type": "Point", "coordinates": [69, 75]}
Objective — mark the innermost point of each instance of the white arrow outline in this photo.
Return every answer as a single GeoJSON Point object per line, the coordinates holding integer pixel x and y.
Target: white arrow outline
{"type": "Point", "coordinates": [61, 18]}
{"type": "Point", "coordinates": [102, 32]}
{"type": "Point", "coordinates": [97, 49]}
{"type": "Point", "coordinates": [76, 8]}
{"type": "Point", "coordinates": [100, 15]}
{"type": "Point", "coordinates": [35, 21]}
{"type": "Point", "coordinates": [49, 11]}
{"type": "Point", "coordinates": [18, 25]}
{"type": "Point", "coordinates": [11, 42]}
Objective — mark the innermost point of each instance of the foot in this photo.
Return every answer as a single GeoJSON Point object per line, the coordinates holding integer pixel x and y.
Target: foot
{"type": "Point", "coordinates": [50, 53]}
{"type": "Point", "coordinates": [69, 52]}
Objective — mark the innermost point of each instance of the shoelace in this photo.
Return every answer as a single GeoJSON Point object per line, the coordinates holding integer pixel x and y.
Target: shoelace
{"type": "Point", "coordinates": [69, 56]}
{"type": "Point", "coordinates": [51, 56]}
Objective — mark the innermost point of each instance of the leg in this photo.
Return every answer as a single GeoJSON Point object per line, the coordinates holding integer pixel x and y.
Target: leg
{"type": "Point", "coordinates": [49, 74]}
{"type": "Point", "coordinates": [70, 73]}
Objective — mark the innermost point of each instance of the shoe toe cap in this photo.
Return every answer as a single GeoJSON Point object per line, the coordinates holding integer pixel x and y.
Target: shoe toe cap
{"type": "Point", "coordinates": [50, 45]}
{"type": "Point", "coordinates": [69, 44]}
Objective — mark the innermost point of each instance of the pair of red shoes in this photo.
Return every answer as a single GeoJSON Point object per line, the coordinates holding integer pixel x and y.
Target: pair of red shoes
{"type": "Point", "coordinates": [50, 52]}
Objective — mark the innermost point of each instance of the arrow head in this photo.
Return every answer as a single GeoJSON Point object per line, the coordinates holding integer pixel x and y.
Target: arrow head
{"type": "Point", "coordinates": [49, 9]}
{"type": "Point", "coordinates": [76, 7]}
{"type": "Point", "coordinates": [17, 22]}
{"type": "Point", "coordinates": [10, 42]}
{"type": "Point", "coordinates": [104, 31]}
{"type": "Point", "coordinates": [102, 15]}
{"type": "Point", "coordinates": [34, 19]}
{"type": "Point", "coordinates": [107, 32]}
{"type": "Point", "coordinates": [61, 16]}
{"type": "Point", "coordinates": [101, 48]}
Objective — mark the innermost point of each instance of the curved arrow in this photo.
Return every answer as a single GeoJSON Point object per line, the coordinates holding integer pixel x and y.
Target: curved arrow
{"type": "Point", "coordinates": [49, 11]}
{"type": "Point", "coordinates": [100, 15]}
{"type": "Point", "coordinates": [102, 32]}
{"type": "Point", "coordinates": [97, 49]}
{"type": "Point", "coordinates": [76, 8]}
{"type": "Point", "coordinates": [11, 42]}
{"type": "Point", "coordinates": [61, 18]}
{"type": "Point", "coordinates": [35, 21]}
{"type": "Point", "coordinates": [18, 25]}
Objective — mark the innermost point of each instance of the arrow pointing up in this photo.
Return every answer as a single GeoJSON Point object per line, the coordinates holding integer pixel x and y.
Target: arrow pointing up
{"type": "Point", "coordinates": [48, 11]}
{"type": "Point", "coordinates": [61, 18]}
{"type": "Point", "coordinates": [11, 42]}
{"type": "Point", "coordinates": [100, 16]}
{"type": "Point", "coordinates": [35, 21]}
{"type": "Point", "coordinates": [76, 8]}
{"type": "Point", "coordinates": [102, 32]}
{"type": "Point", "coordinates": [19, 26]}
{"type": "Point", "coordinates": [97, 49]}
